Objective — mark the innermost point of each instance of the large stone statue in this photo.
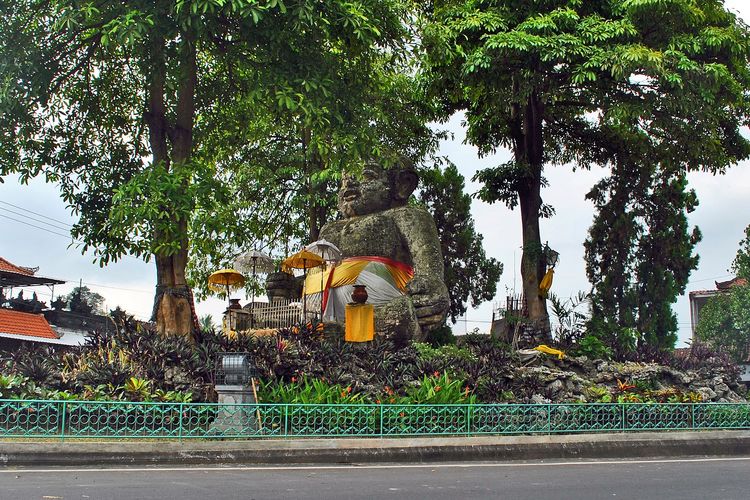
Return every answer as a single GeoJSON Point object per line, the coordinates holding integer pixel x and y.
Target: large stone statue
{"type": "Point", "coordinates": [378, 222]}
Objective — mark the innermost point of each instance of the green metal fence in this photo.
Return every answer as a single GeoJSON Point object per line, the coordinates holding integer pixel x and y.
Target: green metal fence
{"type": "Point", "coordinates": [116, 419]}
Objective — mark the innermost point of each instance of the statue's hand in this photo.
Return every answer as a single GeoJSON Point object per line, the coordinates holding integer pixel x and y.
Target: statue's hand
{"type": "Point", "coordinates": [430, 299]}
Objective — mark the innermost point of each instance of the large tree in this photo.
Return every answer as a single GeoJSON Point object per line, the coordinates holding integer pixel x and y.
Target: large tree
{"type": "Point", "coordinates": [725, 319]}
{"type": "Point", "coordinates": [639, 253]}
{"type": "Point", "coordinates": [554, 80]}
{"type": "Point", "coordinates": [280, 185]}
{"type": "Point", "coordinates": [112, 100]}
{"type": "Point", "coordinates": [469, 273]}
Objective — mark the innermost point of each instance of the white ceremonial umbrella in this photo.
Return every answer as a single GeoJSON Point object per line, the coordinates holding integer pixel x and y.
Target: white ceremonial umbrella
{"type": "Point", "coordinates": [325, 249]}
{"type": "Point", "coordinates": [330, 253]}
{"type": "Point", "coordinates": [254, 262]}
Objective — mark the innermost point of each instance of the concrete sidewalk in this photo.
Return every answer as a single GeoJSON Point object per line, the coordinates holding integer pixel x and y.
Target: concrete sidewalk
{"type": "Point", "coordinates": [353, 450]}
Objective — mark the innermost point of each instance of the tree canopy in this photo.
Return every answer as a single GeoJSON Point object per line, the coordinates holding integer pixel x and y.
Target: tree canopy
{"type": "Point", "coordinates": [134, 108]}
{"type": "Point", "coordinates": [639, 253]}
{"type": "Point", "coordinates": [556, 81]}
{"type": "Point", "coordinates": [82, 300]}
{"type": "Point", "coordinates": [469, 273]}
{"type": "Point", "coordinates": [725, 319]}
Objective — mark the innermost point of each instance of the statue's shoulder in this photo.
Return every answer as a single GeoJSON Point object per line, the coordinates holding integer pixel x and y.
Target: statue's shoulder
{"type": "Point", "coordinates": [415, 222]}
{"type": "Point", "coordinates": [411, 213]}
{"type": "Point", "coordinates": [332, 228]}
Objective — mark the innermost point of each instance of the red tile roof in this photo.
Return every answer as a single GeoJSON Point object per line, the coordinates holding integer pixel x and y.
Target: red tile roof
{"type": "Point", "coordinates": [12, 268]}
{"type": "Point", "coordinates": [726, 285]}
{"type": "Point", "coordinates": [20, 323]}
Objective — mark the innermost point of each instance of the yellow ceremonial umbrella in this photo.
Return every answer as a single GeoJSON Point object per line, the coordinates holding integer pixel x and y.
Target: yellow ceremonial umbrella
{"type": "Point", "coordinates": [224, 279]}
{"type": "Point", "coordinates": [302, 260]}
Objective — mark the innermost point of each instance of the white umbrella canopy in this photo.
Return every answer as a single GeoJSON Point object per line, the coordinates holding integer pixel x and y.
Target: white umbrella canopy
{"type": "Point", "coordinates": [325, 249]}
{"type": "Point", "coordinates": [330, 253]}
{"type": "Point", "coordinates": [255, 262]}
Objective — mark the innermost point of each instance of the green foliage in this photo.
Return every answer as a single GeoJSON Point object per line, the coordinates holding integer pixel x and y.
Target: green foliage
{"type": "Point", "coordinates": [11, 384]}
{"type": "Point", "coordinates": [639, 253]}
{"type": "Point", "coordinates": [137, 389]}
{"type": "Point", "coordinates": [83, 301]}
{"type": "Point", "coordinates": [741, 264]}
{"type": "Point", "coordinates": [469, 273]}
{"type": "Point", "coordinates": [593, 348]}
{"type": "Point", "coordinates": [444, 352]}
{"type": "Point", "coordinates": [724, 322]}
{"type": "Point", "coordinates": [596, 83]}
{"type": "Point", "coordinates": [307, 391]}
{"type": "Point", "coordinates": [161, 395]}
{"type": "Point", "coordinates": [440, 389]}
{"type": "Point", "coordinates": [440, 336]}
{"type": "Point", "coordinates": [638, 393]}
{"type": "Point", "coordinates": [571, 318]}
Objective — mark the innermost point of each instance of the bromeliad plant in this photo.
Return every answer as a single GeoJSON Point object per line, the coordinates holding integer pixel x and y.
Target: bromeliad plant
{"type": "Point", "coordinates": [10, 385]}
{"type": "Point", "coordinates": [440, 389]}
{"type": "Point", "coordinates": [307, 391]}
{"type": "Point", "coordinates": [432, 389]}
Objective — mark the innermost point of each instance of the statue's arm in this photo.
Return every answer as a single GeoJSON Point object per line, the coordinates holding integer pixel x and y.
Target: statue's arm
{"type": "Point", "coordinates": [427, 289]}
{"type": "Point", "coordinates": [417, 227]}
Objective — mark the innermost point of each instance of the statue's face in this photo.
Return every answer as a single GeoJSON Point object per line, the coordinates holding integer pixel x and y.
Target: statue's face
{"type": "Point", "coordinates": [366, 194]}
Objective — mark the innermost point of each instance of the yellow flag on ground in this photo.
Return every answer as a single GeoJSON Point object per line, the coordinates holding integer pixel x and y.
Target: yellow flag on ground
{"type": "Point", "coordinates": [550, 350]}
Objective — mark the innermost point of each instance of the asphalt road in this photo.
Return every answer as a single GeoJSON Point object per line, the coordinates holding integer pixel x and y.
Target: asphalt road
{"type": "Point", "coordinates": [631, 479]}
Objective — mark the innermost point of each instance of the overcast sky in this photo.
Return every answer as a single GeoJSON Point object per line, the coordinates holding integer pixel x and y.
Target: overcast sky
{"type": "Point", "coordinates": [722, 217]}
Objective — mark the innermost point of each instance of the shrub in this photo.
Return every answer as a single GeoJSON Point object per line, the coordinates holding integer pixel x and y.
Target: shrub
{"type": "Point", "coordinates": [593, 348]}
{"type": "Point", "coordinates": [441, 336]}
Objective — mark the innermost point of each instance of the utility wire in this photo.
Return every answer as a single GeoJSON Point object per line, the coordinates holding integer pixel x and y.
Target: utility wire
{"type": "Point", "coordinates": [39, 227]}
{"type": "Point", "coordinates": [710, 279]}
{"type": "Point", "coordinates": [58, 234]}
{"type": "Point", "coordinates": [37, 213]}
{"type": "Point", "coordinates": [53, 225]}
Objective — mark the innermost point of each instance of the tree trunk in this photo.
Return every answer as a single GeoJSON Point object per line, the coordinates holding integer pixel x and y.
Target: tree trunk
{"type": "Point", "coordinates": [529, 151]}
{"type": "Point", "coordinates": [174, 310]}
{"type": "Point", "coordinates": [316, 192]}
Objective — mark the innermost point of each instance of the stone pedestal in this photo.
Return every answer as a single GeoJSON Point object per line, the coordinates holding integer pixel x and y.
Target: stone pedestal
{"type": "Point", "coordinates": [283, 286]}
{"type": "Point", "coordinates": [233, 418]}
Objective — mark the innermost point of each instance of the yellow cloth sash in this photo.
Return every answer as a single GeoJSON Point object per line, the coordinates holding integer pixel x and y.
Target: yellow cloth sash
{"type": "Point", "coordinates": [360, 323]}
{"type": "Point", "coordinates": [346, 273]}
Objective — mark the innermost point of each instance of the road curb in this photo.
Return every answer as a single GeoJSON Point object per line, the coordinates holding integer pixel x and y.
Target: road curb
{"type": "Point", "coordinates": [373, 450]}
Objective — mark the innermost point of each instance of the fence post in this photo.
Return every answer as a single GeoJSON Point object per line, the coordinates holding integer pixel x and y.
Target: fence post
{"type": "Point", "coordinates": [468, 419]}
{"type": "Point", "coordinates": [286, 420]}
{"type": "Point", "coordinates": [182, 413]}
{"type": "Point", "coordinates": [549, 418]}
{"type": "Point", "coordinates": [381, 420]}
{"type": "Point", "coordinates": [692, 416]}
{"type": "Point", "coordinates": [624, 427]}
{"type": "Point", "coordinates": [62, 422]}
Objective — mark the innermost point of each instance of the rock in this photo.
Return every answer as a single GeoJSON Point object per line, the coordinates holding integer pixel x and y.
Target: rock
{"type": "Point", "coordinates": [283, 286]}
{"type": "Point", "coordinates": [528, 354]}
{"type": "Point", "coordinates": [721, 389]}
{"type": "Point", "coordinates": [538, 399]}
{"type": "Point", "coordinates": [706, 393]}
{"type": "Point", "coordinates": [555, 387]}
{"type": "Point", "coordinates": [679, 377]}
